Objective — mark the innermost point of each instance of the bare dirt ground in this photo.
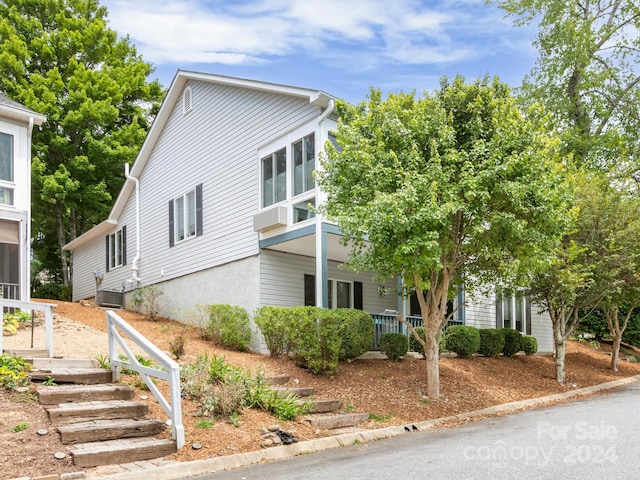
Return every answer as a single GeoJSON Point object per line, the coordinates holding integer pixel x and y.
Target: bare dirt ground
{"type": "Point", "coordinates": [392, 391]}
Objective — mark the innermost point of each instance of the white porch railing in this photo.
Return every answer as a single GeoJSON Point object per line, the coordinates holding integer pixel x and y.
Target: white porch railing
{"type": "Point", "coordinates": [170, 369]}
{"type": "Point", "coordinates": [48, 318]}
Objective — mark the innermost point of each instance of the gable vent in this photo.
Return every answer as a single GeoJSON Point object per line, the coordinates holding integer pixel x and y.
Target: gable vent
{"type": "Point", "coordinates": [186, 101]}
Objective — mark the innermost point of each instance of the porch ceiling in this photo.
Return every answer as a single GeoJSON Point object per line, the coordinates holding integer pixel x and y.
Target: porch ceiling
{"type": "Point", "coordinates": [306, 246]}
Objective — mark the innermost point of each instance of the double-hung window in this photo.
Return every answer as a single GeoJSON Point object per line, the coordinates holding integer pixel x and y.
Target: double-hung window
{"type": "Point", "coordinates": [185, 216]}
{"type": "Point", "coordinates": [274, 177]}
{"type": "Point", "coordinates": [6, 169]}
{"type": "Point", "coordinates": [116, 249]}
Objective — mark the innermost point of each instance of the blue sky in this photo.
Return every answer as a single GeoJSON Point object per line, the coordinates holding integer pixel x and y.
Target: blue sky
{"type": "Point", "coordinates": [339, 46]}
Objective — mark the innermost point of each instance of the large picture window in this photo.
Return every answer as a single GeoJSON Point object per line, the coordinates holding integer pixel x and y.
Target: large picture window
{"type": "Point", "coordinates": [274, 177]}
{"type": "Point", "coordinates": [185, 216]}
{"type": "Point", "coordinates": [513, 310]}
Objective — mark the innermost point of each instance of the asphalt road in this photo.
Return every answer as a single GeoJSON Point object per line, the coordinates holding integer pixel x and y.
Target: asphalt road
{"type": "Point", "coordinates": [593, 439]}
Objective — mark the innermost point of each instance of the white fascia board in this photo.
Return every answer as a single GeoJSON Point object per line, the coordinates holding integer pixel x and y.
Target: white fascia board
{"type": "Point", "coordinates": [89, 235]}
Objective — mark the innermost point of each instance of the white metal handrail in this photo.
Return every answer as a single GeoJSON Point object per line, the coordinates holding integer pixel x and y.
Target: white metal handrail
{"type": "Point", "coordinates": [170, 369]}
{"type": "Point", "coordinates": [48, 318]}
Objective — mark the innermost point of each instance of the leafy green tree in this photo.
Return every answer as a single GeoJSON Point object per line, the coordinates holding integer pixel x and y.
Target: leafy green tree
{"type": "Point", "coordinates": [587, 74]}
{"type": "Point", "coordinates": [456, 184]}
{"type": "Point", "coordinates": [59, 58]}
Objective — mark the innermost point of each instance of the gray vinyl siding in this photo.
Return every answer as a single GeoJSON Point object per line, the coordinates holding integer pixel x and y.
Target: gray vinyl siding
{"type": "Point", "coordinates": [85, 261]}
{"type": "Point", "coordinates": [215, 145]}
{"type": "Point", "coordinates": [282, 282]}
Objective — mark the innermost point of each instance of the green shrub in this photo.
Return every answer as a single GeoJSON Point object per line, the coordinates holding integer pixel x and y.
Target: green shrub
{"type": "Point", "coordinates": [147, 298]}
{"type": "Point", "coordinates": [229, 325]}
{"type": "Point", "coordinates": [491, 341]}
{"type": "Point", "coordinates": [356, 332]}
{"type": "Point", "coordinates": [53, 291]}
{"type": "Point", "coordinates": [414, 345]}
{"type": "Point", "coordinates": [512, 339]}
{"type": "Point", "coordinates": [529, 344]}
{"type": "Point", "coordinates": [273, 322]}
{"type": "Point", "coordinates": [394, 345]}
{"type": "Point", "coordinates": [315, 339]}
{"type": "Point", "coordinates": [14, 371]}
{"type": "Point", "coordinates": [463, 340]}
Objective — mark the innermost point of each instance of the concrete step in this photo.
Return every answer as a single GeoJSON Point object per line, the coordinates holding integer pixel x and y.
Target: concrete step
{"type": "Point", "coordinates": [101, 430]}
{"type": "Point", "coordinates": [329, 422]}
{"type": "Point", "coordinates": [298, 391]}
{"type": "Point", "coordinates": [322, 406]}
{"type": "Point", "coordinates": [86, 376]}
{"type": "Point", "coordinates": [128, 450]}
{"type": "Point", "coordinates": [66, 413]}
{"type": "Point", "coordinates": [54, 395]}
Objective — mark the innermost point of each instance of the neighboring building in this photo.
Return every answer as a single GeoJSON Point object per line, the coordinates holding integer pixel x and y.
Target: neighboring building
{"type": "Point", "coordinates": [216, 210]}
{"type": "Point", "coordinates": [16, 125]}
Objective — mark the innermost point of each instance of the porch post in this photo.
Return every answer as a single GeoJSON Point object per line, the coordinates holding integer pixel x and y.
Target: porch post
{"type": "Point", "coordinates": [322, 297]}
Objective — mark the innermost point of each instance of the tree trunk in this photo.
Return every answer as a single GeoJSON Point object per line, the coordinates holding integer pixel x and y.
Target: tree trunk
{"type": "Point", "coordinates": [615, 353]}
{"type": "Point", "coordinates": [560, 344]}
{"type": "Point", "coordinates": [62, 241]}
{"type": "Point", "coordinates": [432, 357]}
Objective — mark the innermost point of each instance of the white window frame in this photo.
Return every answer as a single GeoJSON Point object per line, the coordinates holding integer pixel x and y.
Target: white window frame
{"type": "Point", "coordinates": [517, 302]}
{"type": "Point", "coordinates": [182, 211]}
{"type": "Point", "coordinates": [272, 159]}
{"type": "Point", "coordinates": [306, 177]}
{"type": "Point", "coordinates": [7, 185]}
{"type": "Point", "coordinates": [332, 289]}
{"type": "Point", "coordinates": [116, 250]}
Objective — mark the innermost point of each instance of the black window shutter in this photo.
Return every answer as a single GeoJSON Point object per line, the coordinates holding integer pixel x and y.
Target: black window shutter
{"type": "Point", "coordinates": [499, 323]}
{"type": "Point", "coordinates": [309, 290]}
{"type": "Point", "coordinates": [171, 228]}
{"type": "Point", "coordinates": [198, 210]}
{"type": "Point", "coordinates": [528, 315]}
{"type": "Point", "coordinates": [107, 254]}
{"type": "Point", "coordinates": [124, 245]}
{"type": "Point", "coordinates": [357, 295]}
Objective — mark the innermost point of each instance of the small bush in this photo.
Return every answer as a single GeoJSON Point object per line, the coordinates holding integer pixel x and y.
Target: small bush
{"type": "Point", "coordinates": [176, 346]}
{"type": "Point", "coordinates": [315, 339]}
{"type": "Point", "coordinates": [356, 332]}
{"type": "Point", "coordinates": [14, 371]}
{"type": "Point", "coordinates": [491, 342]}
{"type": "Point", "coordinates": [529, 344]}
{"type": "Point", "coordinates": [148, 299]}
{"type": "Point", "coordinates": [463, 340]}
{"type": "Point", "coordinates": [53, 291]}
{"type": "Point", "coordinates": [273, 322]}
{"type": "Point", "coordinates": [512, 339]}
{"type": "Point", "coordinates": [229, 325]}
{"type": "Point", "coordinates": [415, 345]}
{"type": "Point", "coordinates": [394, 345]}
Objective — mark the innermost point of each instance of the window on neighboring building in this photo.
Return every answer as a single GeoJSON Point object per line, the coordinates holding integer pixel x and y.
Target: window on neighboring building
{"type": "Point", "coordinates": [341, 294]}
{"type": "Point", "coordinates": [117, 249]}
{"type": "Point", "coordinates": [513, 310]}
{"type": "Point", "coordinates": [304, 162]}
{"type": "Point", "coordinates": [455, 308]}
{"type": "Point", "coordinates": [274, 177]}
{"type": "Point", "coordinates": [185, 216]}
{"type": "Point", "coordinates": [6, 168]}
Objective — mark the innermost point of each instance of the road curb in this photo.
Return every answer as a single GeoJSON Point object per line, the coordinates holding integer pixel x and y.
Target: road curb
{"type": "Point", "coordinates": [180, 470]}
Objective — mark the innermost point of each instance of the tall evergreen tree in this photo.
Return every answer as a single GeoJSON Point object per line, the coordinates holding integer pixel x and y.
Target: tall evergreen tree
{"type": "Point", "coordinates": [60, 58]}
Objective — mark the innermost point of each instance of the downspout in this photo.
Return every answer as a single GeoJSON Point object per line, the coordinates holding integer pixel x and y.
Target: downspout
{"type": "Point", "coordinates": [134, 265]}
{"type": "Point", "coordinates": [26, 248]}
{"type": "Point", "coordinates": [322, 266]}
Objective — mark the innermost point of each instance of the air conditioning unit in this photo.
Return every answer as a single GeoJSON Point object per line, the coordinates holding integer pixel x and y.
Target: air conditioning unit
{"type": "Point", "coordinates": [270, 219]}
{"type": "Point", "coordinates": [110, 298]}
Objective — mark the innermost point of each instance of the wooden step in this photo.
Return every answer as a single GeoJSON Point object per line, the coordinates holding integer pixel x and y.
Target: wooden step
{"type": "Point", "coordinates": [100, 430]}
{"type": "Point", "coordinates": [329, 422]}
{"type": "Point", "coordinates": [87, 411]}
{"type": "Point", "coordinates": [83, 393]}
{"type": "Point", "coordinates": [49, 363]}
{"type": "Point", "coordinates": [279, 380]}
{"type": "Point", "coordinates": [28, 354]}
{"type": "Point", "coordinates": [86, 376]}
{"type": "Point", "coordinates": [128, 450]}
{"type": "Point", "coordinates": [298, 391]}
{"type": "Point", "coordinates": [322, 406]}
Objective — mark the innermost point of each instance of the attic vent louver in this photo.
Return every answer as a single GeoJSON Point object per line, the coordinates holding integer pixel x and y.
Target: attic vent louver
{"type": "Point", "coordinates": [186, 101]}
